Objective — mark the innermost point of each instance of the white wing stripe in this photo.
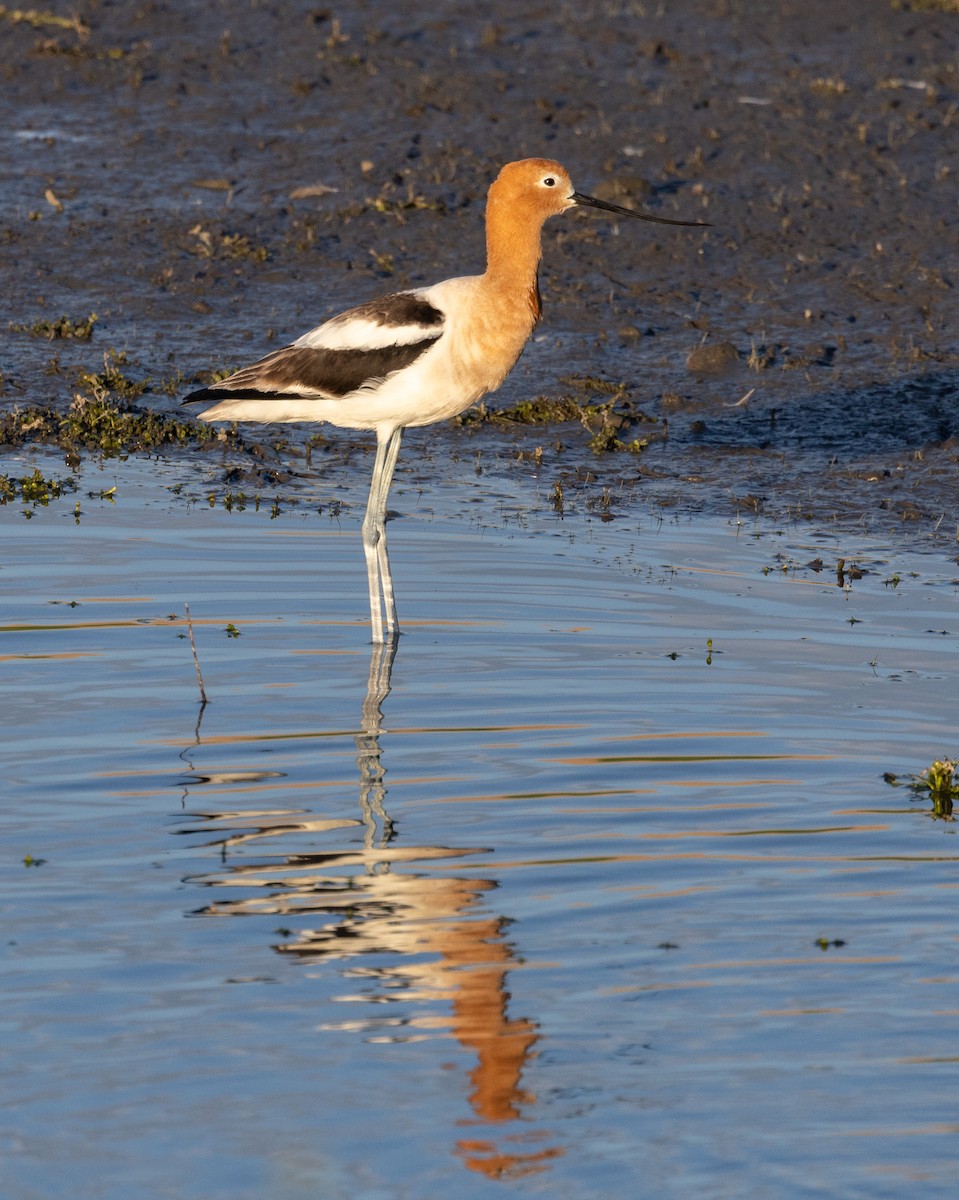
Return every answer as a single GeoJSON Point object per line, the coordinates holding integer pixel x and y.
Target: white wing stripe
{"type": "Point", "coordinates": [360, 333]}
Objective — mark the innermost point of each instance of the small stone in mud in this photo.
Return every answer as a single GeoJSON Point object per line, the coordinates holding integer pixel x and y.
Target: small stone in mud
{"type": "Point", "coordinates": [712, 358]}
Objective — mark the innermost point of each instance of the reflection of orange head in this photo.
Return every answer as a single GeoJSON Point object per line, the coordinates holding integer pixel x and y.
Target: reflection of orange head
{"type": "Point", "coordinates": [485, 1159]}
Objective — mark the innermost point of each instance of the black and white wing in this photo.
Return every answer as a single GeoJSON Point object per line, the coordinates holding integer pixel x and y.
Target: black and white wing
{"type": "Point", "coordinates": [352, 352]}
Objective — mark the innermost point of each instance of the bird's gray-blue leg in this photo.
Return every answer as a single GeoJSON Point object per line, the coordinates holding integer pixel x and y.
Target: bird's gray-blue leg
{"type": "Point", "coordinates": [382, 600]}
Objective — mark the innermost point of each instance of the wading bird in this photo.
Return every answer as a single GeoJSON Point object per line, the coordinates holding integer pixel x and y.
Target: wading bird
{"type": "Point", "coordinates": [415, 357]}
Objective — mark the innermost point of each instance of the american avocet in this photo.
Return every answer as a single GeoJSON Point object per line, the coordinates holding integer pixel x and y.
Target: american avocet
{"type": "Point", "coordinates": [415, 357]}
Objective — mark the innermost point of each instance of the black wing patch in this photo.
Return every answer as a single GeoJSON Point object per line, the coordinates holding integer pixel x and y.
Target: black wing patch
{"type": "Point", "coordinates": [304, 370]}
{"type": "Point", "coordinates": [394, 311]}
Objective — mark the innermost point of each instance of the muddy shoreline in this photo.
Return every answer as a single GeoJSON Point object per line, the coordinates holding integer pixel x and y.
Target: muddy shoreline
{"type": "Point", "coordinates": [214, 188]}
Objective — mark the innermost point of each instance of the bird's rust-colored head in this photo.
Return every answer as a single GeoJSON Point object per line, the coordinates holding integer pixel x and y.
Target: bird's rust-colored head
{"type": "Point", "coordinates": [523, 196]}
{"type": "Point", "coordinates": [539, 188]}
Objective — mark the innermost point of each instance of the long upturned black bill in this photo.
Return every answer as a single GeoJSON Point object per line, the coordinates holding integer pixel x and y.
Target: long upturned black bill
{"type": "Point", "coordinates": [590, 202]}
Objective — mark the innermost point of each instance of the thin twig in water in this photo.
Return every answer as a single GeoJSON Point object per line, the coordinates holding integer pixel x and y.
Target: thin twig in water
{"type": "Point", "coordinates": [196, 660]}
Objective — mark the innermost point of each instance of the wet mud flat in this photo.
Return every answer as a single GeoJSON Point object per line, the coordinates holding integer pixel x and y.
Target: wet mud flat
{"type": "Point", "coordinates": [212, 185]}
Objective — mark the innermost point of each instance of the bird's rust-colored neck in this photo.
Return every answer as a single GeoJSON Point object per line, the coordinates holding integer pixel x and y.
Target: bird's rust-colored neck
{"type": "Point", "coordinates": [513, 250]}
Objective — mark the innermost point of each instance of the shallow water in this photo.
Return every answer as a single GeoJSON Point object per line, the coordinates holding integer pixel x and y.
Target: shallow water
{"type": "Point", "coordinates": [539, 909]}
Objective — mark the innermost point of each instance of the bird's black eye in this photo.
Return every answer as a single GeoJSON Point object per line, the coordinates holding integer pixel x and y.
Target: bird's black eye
{"type": "Point", "coordinates": [549, 181]}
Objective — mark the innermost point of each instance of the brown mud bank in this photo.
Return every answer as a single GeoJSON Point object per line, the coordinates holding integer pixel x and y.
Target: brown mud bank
{"type": "Point", "coordinates": [212, 180]}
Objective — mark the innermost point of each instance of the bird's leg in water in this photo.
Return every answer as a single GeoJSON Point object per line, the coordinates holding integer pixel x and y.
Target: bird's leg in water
{"type": "Point", "coordinates": [382, 600]}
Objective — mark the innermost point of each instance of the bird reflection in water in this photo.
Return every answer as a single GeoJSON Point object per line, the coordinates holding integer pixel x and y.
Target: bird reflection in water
{"type": "Point", "coordinates": [443, 947]}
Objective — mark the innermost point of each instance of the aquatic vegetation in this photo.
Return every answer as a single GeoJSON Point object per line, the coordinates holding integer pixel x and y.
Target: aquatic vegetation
{"type": "Point", "coordinates": [42, 19]}
{"type": "Point", "coordinates": [220, 373]}
{"type": "Point", "coordinates": [939, 782]}
{"type": "Point", "coordinates": [760, 357]}
{"type": "Point", "coordinates": [832, 85]}
{"type": "Point", "coordinates": [594, 383]}
{"type": "Point", "coordinates": [606, 422]}
{"type": "Point", "coordinates": [80, 50]}
{"type": "Point", "coordinates": [231, 246]}
{"type": "Point", "coordinates": [100, 423]}
{"type": "Point", "coordinates": [111, 380]}
{"type": "Point", "coordinates": [234, 500]}
{"type": "Point", "coordinates": [34, 489]}
{"type": "Point", "coordinates": [382, 262]}
{"type": "Point", "coordinates": [541, 410]}
{"type": "Point", "coordinates": [846, 572]}
{"type": "Point", "coordinates": [64, 327]}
